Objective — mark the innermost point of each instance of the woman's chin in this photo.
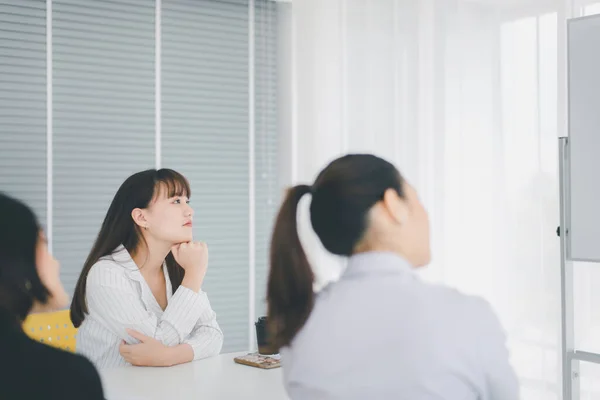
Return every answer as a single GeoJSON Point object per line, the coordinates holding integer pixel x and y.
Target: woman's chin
{"type": "Point", "coordinates": [183, 239]}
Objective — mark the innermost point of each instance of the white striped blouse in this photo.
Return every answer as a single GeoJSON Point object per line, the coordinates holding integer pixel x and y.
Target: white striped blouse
{"type": "Point", "coordinates": [118, 298]}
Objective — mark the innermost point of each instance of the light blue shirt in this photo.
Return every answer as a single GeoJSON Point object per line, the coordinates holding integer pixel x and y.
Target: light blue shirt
{"type": "Point", "coordinates": [382, 333]}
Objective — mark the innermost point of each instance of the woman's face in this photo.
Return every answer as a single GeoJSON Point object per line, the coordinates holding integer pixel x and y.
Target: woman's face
{"type": "Point", "coordinates": [48, 270]}
{"type": "Point", "coordinates": [169, 219]}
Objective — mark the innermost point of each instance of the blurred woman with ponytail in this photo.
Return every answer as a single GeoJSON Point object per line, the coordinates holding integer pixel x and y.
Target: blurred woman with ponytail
{"type": "Point", "coordinates": [379, 332]}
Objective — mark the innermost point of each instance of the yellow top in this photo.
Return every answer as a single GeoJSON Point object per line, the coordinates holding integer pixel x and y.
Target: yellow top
{"type": "Point", "coordinates": [54, 329]}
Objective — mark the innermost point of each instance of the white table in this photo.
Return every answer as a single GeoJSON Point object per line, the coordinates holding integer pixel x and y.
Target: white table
{"type": "Point", "coordinates": [214, 378]}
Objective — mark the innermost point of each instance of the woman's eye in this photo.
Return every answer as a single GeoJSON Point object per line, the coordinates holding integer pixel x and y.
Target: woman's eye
{"type": "Point", "coordinates": [177, 201]}
{"type": "Point", "coordinates": [187, 201]}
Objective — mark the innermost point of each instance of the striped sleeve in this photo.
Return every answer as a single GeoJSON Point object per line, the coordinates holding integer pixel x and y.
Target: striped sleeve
{"type": "Point", "coordinates": [114, 301]}
{"type": "Point", "coordinates": [206, 338]}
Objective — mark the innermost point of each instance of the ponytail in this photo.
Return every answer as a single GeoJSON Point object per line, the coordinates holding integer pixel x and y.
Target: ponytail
{"type": "Point", "coordinates": [290, 294]}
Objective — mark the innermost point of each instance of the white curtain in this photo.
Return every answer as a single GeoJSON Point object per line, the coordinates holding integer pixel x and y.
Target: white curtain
{"type": "Point", "coordinates": [466, 98]}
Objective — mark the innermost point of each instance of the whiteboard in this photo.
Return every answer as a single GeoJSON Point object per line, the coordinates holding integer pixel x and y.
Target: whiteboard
{"type": "Point", "coordinates": [583, 197]}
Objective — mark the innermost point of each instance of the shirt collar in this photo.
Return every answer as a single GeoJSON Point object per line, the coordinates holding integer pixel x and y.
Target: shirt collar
{"type": "Point", "coordinates": [377, 262]}
{"type": "Point", "coordinates": [122, 257]}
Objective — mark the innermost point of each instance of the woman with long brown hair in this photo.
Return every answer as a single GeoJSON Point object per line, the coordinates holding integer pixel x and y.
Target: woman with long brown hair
{"type": "Point", "coordinates": [379, 332]}
{"type": "Point", "coordinates": [138, 299]}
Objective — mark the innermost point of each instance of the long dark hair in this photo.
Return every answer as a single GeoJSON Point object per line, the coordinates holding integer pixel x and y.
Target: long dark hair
{"type": "Point", "coordinates": [342, 196]}
{"type": "Point", "coordinates": [20, 285]}
{"type": "Point", "coordinates": [119, 228]}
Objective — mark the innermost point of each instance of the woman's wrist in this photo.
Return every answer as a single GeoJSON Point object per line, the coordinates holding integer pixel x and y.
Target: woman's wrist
{"type": "Point", "coordinates": [180, 354]}
{"type": "Point", "coordinates": [192, 281]}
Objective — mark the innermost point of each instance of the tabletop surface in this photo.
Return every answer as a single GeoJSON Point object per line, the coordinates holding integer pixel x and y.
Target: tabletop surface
{"type": "Point", "coordinates": [214, 378]}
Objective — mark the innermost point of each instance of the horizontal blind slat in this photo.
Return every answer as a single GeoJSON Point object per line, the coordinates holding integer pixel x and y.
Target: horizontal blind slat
{"type": "Point", "coordinates": [19, 9]}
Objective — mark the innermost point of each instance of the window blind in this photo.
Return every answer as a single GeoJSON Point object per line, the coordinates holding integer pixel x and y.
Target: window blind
{"type": "Point", "coordinates": [104, 124]}
{"type": "Point", "coordinates": [103, 59]}
{"type": "Point", "coordinates": [23, 102]}
{"type": "Point", "coordinates": [205, 137]}
{"type": "Point", "coordinates": [267, 191]}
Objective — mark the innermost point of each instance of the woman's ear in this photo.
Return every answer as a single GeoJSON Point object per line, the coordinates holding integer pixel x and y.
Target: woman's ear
{"type": "Point", "coordinates": [395, 206]}
{"type": "Point", "coordinates": [139, 218]}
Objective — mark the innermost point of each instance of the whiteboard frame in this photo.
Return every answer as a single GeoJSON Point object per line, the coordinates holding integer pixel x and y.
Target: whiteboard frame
{"type": "Point", "coordinates": [571, 358]}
